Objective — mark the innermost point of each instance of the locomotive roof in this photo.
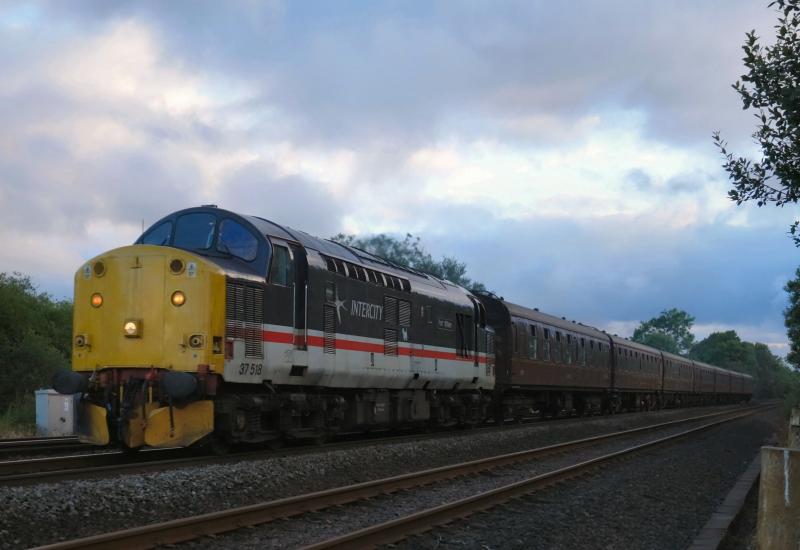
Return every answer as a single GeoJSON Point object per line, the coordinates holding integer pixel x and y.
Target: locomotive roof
{"type": "Point", "coordinates": [534, 315]}
{"type": "Point", "coordinates": [328, 247]}
{"type": "Point", "coordinates": [335, 249]}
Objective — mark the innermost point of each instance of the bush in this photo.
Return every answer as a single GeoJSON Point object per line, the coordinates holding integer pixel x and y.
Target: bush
{"type": "Point", "coordinates": [19, 418]}
{"type": "Point", "coordinates": [35, 342]}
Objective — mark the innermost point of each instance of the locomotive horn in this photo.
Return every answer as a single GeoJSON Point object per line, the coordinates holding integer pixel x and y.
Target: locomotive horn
{"type": "Point", "coordinates": [67, 382]}
{"type": "Point", "coordinates": [178, 384]}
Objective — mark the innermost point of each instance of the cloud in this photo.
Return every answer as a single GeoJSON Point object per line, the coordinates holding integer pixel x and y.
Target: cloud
{"type": "Point", "coordinates": [564, 154]}
{"type": "Point", "coordinates": [287, 200]}
{"type": "Point", "coordinates": [405, 74]}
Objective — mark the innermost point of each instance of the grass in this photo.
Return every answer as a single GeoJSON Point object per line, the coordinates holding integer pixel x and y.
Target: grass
{"type": "Point", "coordinates": [19, 419]}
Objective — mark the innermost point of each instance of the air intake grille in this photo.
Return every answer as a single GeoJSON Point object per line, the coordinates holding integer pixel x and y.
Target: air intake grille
{"type": "Point", "coordinates": [405, 313]}
{"type": "Point", "coordinates": [390, 310]}
{"type": "Point", "coordinates": [244, 311]}
{"type": "Point", "coordinates": [329, 329]}
{"type": "Point", "coordinates": [389, 341]}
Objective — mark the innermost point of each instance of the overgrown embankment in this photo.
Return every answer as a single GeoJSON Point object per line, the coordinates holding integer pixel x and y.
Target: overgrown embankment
{"type": "Point", "coordinates": [35, 341]}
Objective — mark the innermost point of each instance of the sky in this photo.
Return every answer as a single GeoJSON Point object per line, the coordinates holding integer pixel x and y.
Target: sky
{"type": "Point", "coordinates": [562, 150]}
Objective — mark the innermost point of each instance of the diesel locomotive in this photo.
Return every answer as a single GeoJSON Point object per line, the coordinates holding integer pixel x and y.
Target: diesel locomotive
{"type": "Point", "coordinates": [217, 327]}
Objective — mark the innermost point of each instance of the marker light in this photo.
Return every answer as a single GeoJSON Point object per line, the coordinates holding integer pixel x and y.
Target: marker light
{"type": "Point", "coordinates": [132, 328]}
{"type": "Point", "coordinates": [178, 298]}
{"type": "Point", "coordinates": [97, 300]}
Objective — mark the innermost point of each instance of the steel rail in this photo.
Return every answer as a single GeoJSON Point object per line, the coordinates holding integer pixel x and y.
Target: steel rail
{"type": "Point", "coordinates": [398, 529]}
{"type": "Point", "coordinates": [39, 445]}
{"type": "Point", "coordinates": [188, 528]}
{"type": "Point", "coordinates": [112, 462]}
{"type": "Point", "coordinates": [27, 440]}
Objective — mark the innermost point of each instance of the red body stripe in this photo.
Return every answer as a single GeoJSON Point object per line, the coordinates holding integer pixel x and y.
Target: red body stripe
{"type": "Point", "coordinates": [277, 337]}
{"type": "Point", "coordinates": [352, 345]}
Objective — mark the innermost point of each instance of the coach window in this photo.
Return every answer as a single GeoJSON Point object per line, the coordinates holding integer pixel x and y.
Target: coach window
{"type": "Point", "coordinates": [195, 231]}
{"type": "Point", "coordinates": [569, 349]}
{"type": "Point", "coordinates": [559, 354]}
{"type": "Point", "coordinates": [237, 240]}
{"type": "Point", "coordinates": [159, 235]}
{"type": "Point", "coordinates": [280, 271]}
{"type": "Point", "coordinates": [532, 342]}
{"type": "Point", "coordinates": [547, 344]}
{"type": "Point", "coordinates": [583, 352]}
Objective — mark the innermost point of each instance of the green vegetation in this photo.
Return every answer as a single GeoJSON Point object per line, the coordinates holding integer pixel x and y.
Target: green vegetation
{"type": "Point", "coordinates": [670, 331]}
{"type": "Point", "coordinates": [791, 318]}
{"type": "Point", "coordinates": [35, 341]}
{"type": "Point", "coordinates": [772, 87]}
{"type": "Point", "coordinates": [410, 253]}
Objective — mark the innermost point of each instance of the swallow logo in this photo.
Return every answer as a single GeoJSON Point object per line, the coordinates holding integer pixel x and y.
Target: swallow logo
{"type": "Point", "coordinates": [340, 305]}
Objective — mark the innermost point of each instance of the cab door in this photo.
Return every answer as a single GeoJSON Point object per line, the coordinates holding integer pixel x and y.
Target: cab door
{"type": "Point", "coordinates": [280, 293]}
{"type": "Point", "coordinates": [287, 301]}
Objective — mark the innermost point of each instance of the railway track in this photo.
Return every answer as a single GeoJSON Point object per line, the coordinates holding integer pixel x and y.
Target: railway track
{"type": "Point", "coordinates": [28, 445]}
{"type": "Point", "coordinates": [114, 462]}
{"type": "Point", "coordinates": [218, 522]}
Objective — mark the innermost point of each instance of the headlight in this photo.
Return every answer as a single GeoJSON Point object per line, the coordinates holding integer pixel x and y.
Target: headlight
{"type": "Point", "coordinates": [132, 328]}
{"type": "Point", "coordinates": [97, 300]}
{"type": "Point", "coordinates": [178, 298]}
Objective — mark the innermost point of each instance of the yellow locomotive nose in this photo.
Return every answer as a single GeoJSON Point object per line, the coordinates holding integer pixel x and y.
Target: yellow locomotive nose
{"type": "Point", "coordinates": [147, 304]}
{"type": "Point", "coordinates": [147, 320]}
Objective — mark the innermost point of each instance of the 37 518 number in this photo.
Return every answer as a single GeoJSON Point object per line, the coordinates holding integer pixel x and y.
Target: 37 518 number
{"type": "Point", "coordinates": [253, 369]}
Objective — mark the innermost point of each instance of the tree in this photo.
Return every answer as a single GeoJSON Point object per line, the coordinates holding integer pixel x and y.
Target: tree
{"type": "Point", "coordinates": [410, 253]}
{"type": "Point", "coordinates": [726, 350]}
{"type": "Point", "coordinates": [35, 339]}
{"type": "Point", "coordinates": [772, 86]}
{"type": "Point", "coordinates": [670, 331]}
{"type": "Point", "coordinates": [791, 318]}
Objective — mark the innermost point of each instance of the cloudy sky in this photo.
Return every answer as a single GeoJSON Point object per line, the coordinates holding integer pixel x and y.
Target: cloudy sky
{"type": "Point", "coordinates": [561, 149]}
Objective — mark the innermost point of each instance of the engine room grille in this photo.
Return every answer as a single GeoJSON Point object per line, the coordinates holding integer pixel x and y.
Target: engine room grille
{"type": "Point", "coordinates": [390, 341]}
{"type": "Point", "coordinates": [390, 310]}
{"type": "Point", "coordinates": [404, 313]}
{"type": "Point", "coordinates": [244, 314]}
{"type": "Point", "coordinates": [329, 329]}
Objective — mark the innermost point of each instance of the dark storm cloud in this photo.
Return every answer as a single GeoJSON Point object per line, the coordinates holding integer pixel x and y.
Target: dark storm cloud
{"type": "Point", "coordinates": [397, 71]}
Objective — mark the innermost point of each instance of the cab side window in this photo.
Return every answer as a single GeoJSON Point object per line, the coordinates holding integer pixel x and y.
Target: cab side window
{"type": "Point", "coordinates": [159, 235]}
{"type": "Point", "coordinates": [281, 270]}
